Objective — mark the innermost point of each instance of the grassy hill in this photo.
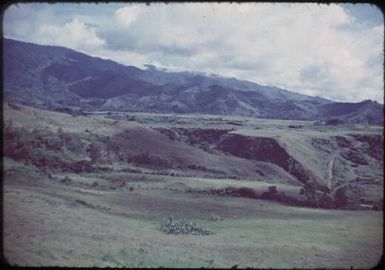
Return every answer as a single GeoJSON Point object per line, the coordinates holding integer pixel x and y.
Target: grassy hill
{"type": "Point", "coordinates": [299, 153]}
{"type": "Point", "coordinates": [163, 190]}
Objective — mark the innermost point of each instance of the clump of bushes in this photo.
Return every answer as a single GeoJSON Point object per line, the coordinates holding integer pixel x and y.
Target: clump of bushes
{"type": "Point", "coordinates": [45, 149]}
{"type": "Point", "coordinates": [317, 198]}
{"type": "Point", "coordinates": [80, 166]}
{"type": "Point", "coordinates": [295, 126]}
{"type": "Point", "coordinates": [354, 157]}
{"type": "Point", "coordinates": [148, 159]}
{"type": "Point", "coordinates": [340, 197]}
{"type": "Point", "coordinates": [174, 226]}
{"type": "Point", "coordinates": [246, 192]}
{"type": "Point", "coordinates": [343, 142]}
{"type": "Point", "coordinates": [215, 218]}
{"type": "Point", "coordinates": [334, 122]}
{"type": "Point", "coordinates": [375, 145]}
{"type": "Point", "coordinates": [66, 180]}
{"type": "Point", "coordinates": [271, 193]}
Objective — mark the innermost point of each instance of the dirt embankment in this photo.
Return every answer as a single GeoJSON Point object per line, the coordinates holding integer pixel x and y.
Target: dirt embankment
{"type": "Point", "coordinates": [251, 148]}
{"type": "Point", "coordinates": [264, 149]}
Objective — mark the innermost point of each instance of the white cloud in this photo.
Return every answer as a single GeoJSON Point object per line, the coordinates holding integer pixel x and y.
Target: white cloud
{"type": "Point", "coordinates": [74, 34]}
{"type": "Point", "coordinates": [309, 48]}
{"type": "Point", "coordinates": [25, 22]}
{"type": "Point", "coordinates": [127, 15]}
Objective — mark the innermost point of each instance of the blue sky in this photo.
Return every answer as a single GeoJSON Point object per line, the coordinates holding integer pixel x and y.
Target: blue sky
{"type": "Point", "coordinates": [333, 51]}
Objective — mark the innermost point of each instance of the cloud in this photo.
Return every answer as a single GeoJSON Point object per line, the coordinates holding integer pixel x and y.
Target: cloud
{"type": "Point", "coordinates": [44, 28]}
{"type": "Point", "coordinates": [308, 48]}
{"type": "Point", "coordinates": [126, 15]}
{"type": "Point", "coordinates": [75, 34]}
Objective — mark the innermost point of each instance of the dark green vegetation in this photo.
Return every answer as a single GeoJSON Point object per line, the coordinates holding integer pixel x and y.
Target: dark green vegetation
{"type": "Point", "coordinates": [61, 79]}
{"type": "Point", "coordinates": [98, 190]}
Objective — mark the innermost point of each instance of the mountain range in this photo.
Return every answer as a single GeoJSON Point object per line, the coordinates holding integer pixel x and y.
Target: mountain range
{"type": "Point", "coordinates": [56, 78]}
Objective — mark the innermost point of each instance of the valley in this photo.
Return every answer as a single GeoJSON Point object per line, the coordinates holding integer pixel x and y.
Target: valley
{"type": "Point", "coordinates": [99, 189]}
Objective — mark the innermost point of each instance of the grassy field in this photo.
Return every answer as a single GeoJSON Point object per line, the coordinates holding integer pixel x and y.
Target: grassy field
{"type": "Point", "coordinates": [69, 226]}
{"type": "Point", "coordinates": [99, 191]}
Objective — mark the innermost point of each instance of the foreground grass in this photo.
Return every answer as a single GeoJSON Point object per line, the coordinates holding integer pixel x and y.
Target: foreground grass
{"type": "Point", "coordinates": [46, 226]}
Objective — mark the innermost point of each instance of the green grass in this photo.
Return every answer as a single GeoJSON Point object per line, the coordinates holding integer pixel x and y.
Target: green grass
{"type": "Point", "coordinates": [44, 223]}
{"type": "Point", "coordinates": [45, 229]}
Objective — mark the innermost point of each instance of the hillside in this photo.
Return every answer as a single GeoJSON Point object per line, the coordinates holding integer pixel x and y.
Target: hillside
{"type": "Point", "coordinates": [121, 143]}
{"type": "Point", "coordinates": [57, 78]}
{"type": "Point", "coordinates": [296, 153]}
{"type": "Point", "coordinates": [227, 184]}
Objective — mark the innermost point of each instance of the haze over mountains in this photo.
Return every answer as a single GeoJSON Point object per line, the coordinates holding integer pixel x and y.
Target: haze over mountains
{"type": "Point", "coordinates": [55, 78]}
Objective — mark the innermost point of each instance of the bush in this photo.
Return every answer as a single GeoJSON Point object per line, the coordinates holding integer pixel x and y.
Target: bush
{"type": "Point", "coordinates": [355, 157]}
{"type": "Point", "coordinates": [66, 180]}
{"type": "Point", "coordinates": [72, 142]}
{"type": "Point", "coordinates": [334, 122]}
{"type": "Point", "coordinates": [273, 189]}
{"type": "Point", "coordinates": [148, 159]}
{"type": "Point", "coordinates": [95, 184]}
{"type": "Point", "coordinates": [271, 193]}
{"type": "Point", "coordinates": [53, 143]}
{"type": "Point", "coordinates": [340, 198]}
{"type": "Point", "coordinates": [80, 166]}
{"type": "Point", "coordinates": [326, 201]}
{"type": "Point", "coordinates": [215, 218]}
{"type": "Point", "coordinates": [182, 227]}
{"type": "Point", "coordinates": [295, 126]}
{"type": "Point", "coordinates": [246, 192]}
{"type": "Point", "coordinates": [40, 157]}
{"type": "Point", "coordinates": [342, 141]}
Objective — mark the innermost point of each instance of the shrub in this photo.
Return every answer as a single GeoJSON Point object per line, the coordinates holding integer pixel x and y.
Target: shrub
{"type": "Point", "coordinates": [66, 180]}
{"type": "Point", "coordinates": [246, 192]}
{"type": "Point", "coordinates": [273, 189]}
{"type": "Point", "coordinates": [72, 142]}
{"type": "Point", "coordinates": [271, 193]}
{"type": "Point", "coordinates": [182, 227]}
{"type": "Point", "coordinates": [295, 126]}
{"type": "Point", "coordinates": [146, 158]}
{"type": "Point", "coordinates": [95, 184]}
{"type": "Point", "coordinates": [80, 166]}
{"type": "Point", "coordinates": [326, 201]}
{"type": "Point", "coordinates": [354, 157]}
{"type": "Point", "coordinates": [40, 157]}
{"type": "Point", "coordinates": [334, 122]}
{"type": "Point", "coordinates": [340, 198]}
{"type": "Point", "coordinates": [53, 143]}
{"type": "Point", "coordinates": [342, 141]}
{"type": "Point", "coordinates": [215, 218]}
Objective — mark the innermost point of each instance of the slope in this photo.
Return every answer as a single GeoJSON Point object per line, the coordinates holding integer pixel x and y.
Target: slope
{"type": "Point", "coordinates": [56, 78]}
{"type": "Point", "coordinates": [121, 143]}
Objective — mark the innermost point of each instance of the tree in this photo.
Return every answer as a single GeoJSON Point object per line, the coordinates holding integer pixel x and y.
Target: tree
{"type": "Point", "coordinates": [309, 191]}
{"type": "Point", "coordinates": [340, 198]}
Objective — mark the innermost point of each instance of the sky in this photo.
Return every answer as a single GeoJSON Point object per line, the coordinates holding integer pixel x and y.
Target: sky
{"type": "Point", "coordinates": [333, 51]}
